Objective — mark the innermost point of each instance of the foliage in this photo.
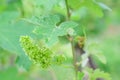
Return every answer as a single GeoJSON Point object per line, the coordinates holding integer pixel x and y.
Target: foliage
{"type": "Point", "coordinates": [41, 25]}
{"type": "Point", "coordinates": [98, 74]}
{"type": "Point", "coordinates": [11, 37]}
{"type": "Point", "coordinates": [49, 24]}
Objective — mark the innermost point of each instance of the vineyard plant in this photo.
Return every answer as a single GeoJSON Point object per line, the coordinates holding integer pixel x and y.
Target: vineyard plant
{"type": "Point", "coordinates": [59, 40]}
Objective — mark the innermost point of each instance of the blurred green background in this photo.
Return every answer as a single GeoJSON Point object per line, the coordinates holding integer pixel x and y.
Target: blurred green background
{"type": "Point", "coordinates": [104, 30]}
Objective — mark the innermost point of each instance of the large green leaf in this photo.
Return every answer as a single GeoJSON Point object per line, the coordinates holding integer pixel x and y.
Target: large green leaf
{"type": "Point", "coordinates": [95, 50]}
{"type": "Point", "coordinates": [95, 74]}
{"type": "Point", "coordinates": [93, 7]}
{"type": "Point", "coordinates": [45, 6]}
{"type": "Point", "coordinates": [10, 31]}
{"type": "Point", "coordinates": [74, 4]}
{"type": "Point", "coordinates": [24, 61]}
{"type": "Point", "coordinates": [80, 76]}
{"type": "Point", "coordinates": [104, 6]}
{"type": "Point", "coordinates": [50, 31]}
{"type": "Point", "coordinates": [101, 57]}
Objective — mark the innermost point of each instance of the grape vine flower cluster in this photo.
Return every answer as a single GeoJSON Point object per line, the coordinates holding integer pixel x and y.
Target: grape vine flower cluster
{"type": "Point", "coordinates": [59, 59]}
{"type": "Point", "coordinates": [37, 55]}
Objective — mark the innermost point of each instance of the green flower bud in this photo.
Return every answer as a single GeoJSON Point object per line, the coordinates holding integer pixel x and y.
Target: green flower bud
{"type": "Point", "coordinates": [43, 55]}
{"type": "Point", "coordinates": [59, 59]}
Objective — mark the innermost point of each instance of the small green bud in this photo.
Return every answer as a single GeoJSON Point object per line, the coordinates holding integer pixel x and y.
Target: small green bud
{"type": "Point", "coordinates": [59, 59]}
{"type": "Point", "coordinates": [43, 55]}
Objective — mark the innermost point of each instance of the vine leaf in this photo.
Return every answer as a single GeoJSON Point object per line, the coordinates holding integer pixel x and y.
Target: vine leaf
{"type": "Point", "coordinates": [49, 29]}
{"type": "Point", "coordinates": [95, 50]}
{"type": "Point", "coordinates": [75, 4]}
{"type": "Point", "coordinates": [102, 5]}
{"type": "Point", "coordinates": [80, 76]}
{"type": "Point", "coordinates": [44, 4]}
{"type": "Point", "coordinates": [101, 57]}
{"type": "Point", "coordinates": [9, 35]}
{"type": "Point", "coordinates": [94, 74]}
{"type": "Point", "coordinates": [93, 6]}
{"type": "Point", "coordinates": [24, 61]}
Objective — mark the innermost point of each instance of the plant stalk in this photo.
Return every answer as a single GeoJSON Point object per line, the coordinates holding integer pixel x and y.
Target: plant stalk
{"type": "Point", "coordinates": [71, 40]}
{"type": "Point", "coordinates": [67, 10]}
{"type": "Point", "coordinates": [74, 60]}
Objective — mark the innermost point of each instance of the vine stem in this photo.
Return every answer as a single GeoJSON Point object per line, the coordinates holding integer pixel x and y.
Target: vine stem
{"type": "Point", "coordinates": [74, 60]}
{"type": "Point", "coordinates": [68, 10]}
{"type": "Point", "coordinates": [71, 40]}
